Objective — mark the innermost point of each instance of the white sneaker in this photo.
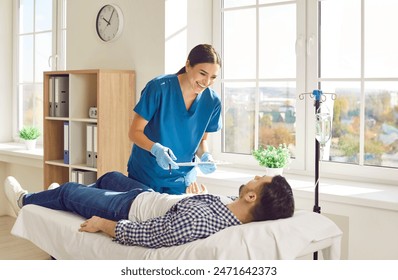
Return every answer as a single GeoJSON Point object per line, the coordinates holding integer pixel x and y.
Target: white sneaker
{"type": "Point", "coordinates": [13, 191]}
{"type": "Point", "coordinates": [53, 186]}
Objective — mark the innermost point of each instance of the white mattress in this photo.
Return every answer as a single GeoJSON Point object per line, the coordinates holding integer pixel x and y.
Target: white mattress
{"type": "Point", "coordinates": [56, 232]}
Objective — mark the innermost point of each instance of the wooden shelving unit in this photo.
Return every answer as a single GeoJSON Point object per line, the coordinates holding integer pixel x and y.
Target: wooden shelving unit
{"type": "Point", "coordinates": [113, 93]}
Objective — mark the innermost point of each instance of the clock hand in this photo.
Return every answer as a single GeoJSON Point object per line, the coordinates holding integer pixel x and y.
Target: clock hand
{"type": "Point", "coordinates": [106, 21]}
{"type": "Point", "coordinates": [109, 22]}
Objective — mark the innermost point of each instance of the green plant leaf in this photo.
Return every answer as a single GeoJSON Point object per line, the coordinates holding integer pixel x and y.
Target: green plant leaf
{"type": "Point", "coordinates": [29, 133]}
{"type": "Point", "coordinates": [272, 157]}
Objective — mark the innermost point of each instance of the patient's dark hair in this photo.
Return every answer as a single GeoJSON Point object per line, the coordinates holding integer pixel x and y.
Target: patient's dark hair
{"type": "Point", "coordinates": [276, 201]}
{"type": "Point", "coordinates": [202, 53]}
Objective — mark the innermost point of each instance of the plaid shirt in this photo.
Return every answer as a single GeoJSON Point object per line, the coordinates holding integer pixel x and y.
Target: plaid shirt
{"type": "Point", "coordinates": [190, 219]}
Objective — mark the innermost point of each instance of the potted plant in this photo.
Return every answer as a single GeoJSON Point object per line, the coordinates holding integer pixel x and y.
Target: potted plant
{"type": "Point", "coordinates": [274, 159]}
{"type": "Point", "coordinates": [29, 134]}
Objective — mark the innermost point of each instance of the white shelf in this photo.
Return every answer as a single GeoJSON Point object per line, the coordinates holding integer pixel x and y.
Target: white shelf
{"type": "Point", "coordinates": [59, 162]}
{"type": "Point", "coordinates": [87, 120]}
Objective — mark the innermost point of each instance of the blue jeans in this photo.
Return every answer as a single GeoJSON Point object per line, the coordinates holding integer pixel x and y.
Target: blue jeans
{"type": "Point", "coordinates": [109, 197]}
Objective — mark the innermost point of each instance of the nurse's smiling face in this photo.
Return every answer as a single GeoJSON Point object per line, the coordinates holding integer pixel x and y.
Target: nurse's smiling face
{"type": "Point", "coordinates": [201, 76]}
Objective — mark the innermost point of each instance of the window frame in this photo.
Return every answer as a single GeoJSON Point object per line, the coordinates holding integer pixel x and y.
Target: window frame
{"type": "Point", "coordinates": [353, 172]}
{"type": "Point", "coordinates": [307, 80]}
{"type": "Point", "coordinates": [57, 59]}
{"type": "Point", "coordinates": [248, 161]}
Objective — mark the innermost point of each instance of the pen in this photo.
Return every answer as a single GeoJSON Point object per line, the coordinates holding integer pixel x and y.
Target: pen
{"type": "Point", "coordinates": [168, 152]}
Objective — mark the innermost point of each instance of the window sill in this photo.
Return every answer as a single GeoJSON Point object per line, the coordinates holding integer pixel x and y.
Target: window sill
{"type": "Point", "coordinates": [17, 153]}
{"type": "Point", "coordinates": [380, 196]}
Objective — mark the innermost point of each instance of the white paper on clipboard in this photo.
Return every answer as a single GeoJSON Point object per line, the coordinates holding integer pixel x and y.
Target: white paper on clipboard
{"type": "Point", "coordinates": [196, 163]}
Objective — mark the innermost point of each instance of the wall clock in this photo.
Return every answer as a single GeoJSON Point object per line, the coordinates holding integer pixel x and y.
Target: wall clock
{"type": "Point", "coordinates": [109, 22]}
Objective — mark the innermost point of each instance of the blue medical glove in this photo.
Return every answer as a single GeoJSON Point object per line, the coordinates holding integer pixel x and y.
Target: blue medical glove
{"type": "Point", "coordinates": [207, 168]}
{"type": "Point", "coordinates": [164, 156]}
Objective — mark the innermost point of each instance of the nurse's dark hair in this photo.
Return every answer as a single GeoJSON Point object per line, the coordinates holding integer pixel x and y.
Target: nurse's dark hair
{"type": "Point", "coordinates": [202, 53]}
{"type": "Point", "coordinates": [276, 201]}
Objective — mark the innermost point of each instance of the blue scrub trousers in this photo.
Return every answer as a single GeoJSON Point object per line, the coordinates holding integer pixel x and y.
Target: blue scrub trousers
{"type": "Point", "coordinates": [109, 197]}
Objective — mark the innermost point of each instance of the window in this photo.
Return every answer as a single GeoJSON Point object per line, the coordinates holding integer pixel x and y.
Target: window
{"type": "Point", "coordinates": [363, 73]}
{"type": "Point", "coordinates": [259, 81]}
{"type": "Point", "coordinates": [41, 47]}
{"type": "Point", "coordinates": [274, 50]}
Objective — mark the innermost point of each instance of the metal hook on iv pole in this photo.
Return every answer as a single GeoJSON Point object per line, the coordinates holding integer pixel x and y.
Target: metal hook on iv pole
{"type": "Point", "coordinates": [317, 94]}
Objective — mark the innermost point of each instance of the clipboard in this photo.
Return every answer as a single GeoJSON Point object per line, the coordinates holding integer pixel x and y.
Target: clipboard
{"type": "Point", "coordinates": [197, 163]}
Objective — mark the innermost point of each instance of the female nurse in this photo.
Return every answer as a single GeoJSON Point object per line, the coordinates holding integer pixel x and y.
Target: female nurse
{"type": "Point", "coordinates": [171, 123]}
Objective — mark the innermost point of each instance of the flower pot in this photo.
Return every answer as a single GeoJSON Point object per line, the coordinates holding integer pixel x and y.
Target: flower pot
{"type": "Point", "coordinates": [30, 144]}
{"type": "Point", "coordinates": [273, 171]}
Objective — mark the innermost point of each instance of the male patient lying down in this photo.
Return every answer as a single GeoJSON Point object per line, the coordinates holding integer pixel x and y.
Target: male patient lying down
{"type": "Point", "coordinates": [134, 214]}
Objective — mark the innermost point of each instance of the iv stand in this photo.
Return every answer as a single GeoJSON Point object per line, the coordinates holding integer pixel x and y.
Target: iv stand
{"type": "Point", "coordinates": [317, 95]}
{"type": "Point", "coordinates": [317, 209]}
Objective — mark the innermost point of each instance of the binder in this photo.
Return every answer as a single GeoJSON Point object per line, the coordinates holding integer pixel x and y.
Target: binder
{"type": "Point", "coordinates": [51, 94]}
{"type": "Point", "coordinates": [95, 146]}
{"type": "Point", "coordinates": [86, 177]}
{"type": "Point", "coordinates": [66, 142]}
{"type": "Point", "coordinates": [89, 146]}
{"type": "Point", "coordinates": [61, 96]}
{"type": "Point", "coordinates": [74, 176]}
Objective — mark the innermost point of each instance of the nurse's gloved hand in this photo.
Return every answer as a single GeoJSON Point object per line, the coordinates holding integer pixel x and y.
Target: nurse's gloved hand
{"type": "Point", "coordinates": [207, 168]}
{"type": "Point", "coordinates": [164, 156]}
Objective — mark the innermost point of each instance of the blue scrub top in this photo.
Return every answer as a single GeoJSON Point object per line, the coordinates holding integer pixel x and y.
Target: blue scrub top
{"type": "Point", "coordinates": [170, 124]}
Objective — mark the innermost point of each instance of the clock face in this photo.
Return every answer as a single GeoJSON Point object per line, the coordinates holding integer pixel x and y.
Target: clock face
{"type": "Point", "coordinates": [109, 22]}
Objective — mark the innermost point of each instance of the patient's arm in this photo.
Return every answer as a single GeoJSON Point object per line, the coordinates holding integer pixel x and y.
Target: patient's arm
{"type": "Point", "coordinates": [96, 224]}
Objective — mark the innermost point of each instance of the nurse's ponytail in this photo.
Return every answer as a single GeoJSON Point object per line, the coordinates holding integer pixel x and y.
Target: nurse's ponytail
{"type": "Point", "coordinates": [202, 53]}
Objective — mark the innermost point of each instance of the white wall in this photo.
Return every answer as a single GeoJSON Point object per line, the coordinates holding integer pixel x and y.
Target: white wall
{"type": "Point", "coordinates": [187, 24]}
{"type": "Point", "coordinates": [142, 45]}
{"type": "Point", "coordinates": [6, 70]}
{"type": "Point", "coordinates": [30, 177]}
{"type": "Point", "coordinates": [369, 233]}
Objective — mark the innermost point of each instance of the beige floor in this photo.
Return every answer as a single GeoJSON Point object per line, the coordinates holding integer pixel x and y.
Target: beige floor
{"type": "Point", "coordinates": [15, 248]}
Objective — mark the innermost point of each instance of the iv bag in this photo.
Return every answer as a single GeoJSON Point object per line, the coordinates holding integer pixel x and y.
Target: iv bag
{"type": "Point", "coordinates": [323, 125]}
